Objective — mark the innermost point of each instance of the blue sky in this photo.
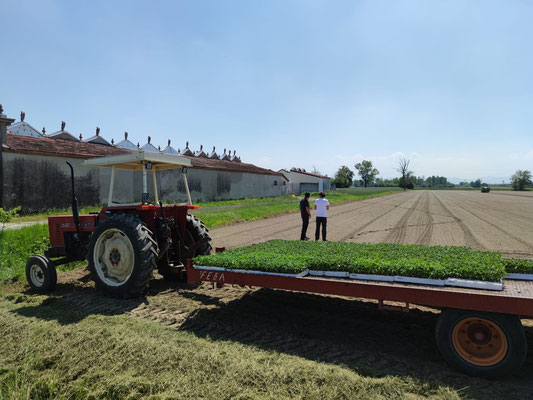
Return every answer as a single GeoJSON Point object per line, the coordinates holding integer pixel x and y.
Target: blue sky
{"type": "Point", "coordinates": [447, 84]}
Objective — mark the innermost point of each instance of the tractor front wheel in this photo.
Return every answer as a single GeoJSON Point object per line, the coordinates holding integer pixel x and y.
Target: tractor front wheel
{"type": "Point", "coordinates": [122, 256]}
{"type": "Point", "coordinates": [41, 274]}
{"type": "Point", "coordinates": [483, 344]}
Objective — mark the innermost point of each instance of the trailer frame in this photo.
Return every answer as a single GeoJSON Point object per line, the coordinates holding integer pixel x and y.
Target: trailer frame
{"type": "Point", "coordinates": [474, 326]}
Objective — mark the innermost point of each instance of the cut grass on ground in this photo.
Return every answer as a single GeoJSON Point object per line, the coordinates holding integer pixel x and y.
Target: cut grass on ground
{"type": "Point", "coordinates": [50, 350]}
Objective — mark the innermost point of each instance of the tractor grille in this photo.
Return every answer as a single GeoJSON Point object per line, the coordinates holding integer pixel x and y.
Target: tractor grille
{"type": "Point", "coordinates": [59, 234]}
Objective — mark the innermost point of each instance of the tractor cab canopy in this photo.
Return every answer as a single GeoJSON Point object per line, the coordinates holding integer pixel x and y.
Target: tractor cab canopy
{"type": "Point", "coordinates": [142, 161]}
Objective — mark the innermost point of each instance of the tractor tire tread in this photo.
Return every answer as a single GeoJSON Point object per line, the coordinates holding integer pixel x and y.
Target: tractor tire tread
{"type": "Point", "coordinates": [145, 250]}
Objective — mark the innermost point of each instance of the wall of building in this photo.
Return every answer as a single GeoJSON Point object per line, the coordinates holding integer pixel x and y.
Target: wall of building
{"type": "Point", "coordinates": [299, 183]}
{"type": "Point", "coordinates": [209, 185]}
{"type": "Point", "coordinates": [39, 183]}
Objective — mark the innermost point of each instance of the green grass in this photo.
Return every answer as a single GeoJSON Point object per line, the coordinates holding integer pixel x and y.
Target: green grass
{"type": "Point", "coordinates": [50, 350]}
{"type": "Point", "coordinates": [17, 245]}
{"type": "Point", "coordinates": [435, 262]}
{"type": "Point", "coordinates": [248, 209]}
{"type": "Point", "coordinates": [54, 211]}
{"type": "Point", "coordinates": [254, 209]}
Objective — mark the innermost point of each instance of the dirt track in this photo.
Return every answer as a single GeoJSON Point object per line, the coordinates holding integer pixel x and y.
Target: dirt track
{"type": "Point", "coordinates": [501, 221]}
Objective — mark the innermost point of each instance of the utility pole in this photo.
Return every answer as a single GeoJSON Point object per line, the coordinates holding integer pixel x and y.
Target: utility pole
{"type": "Point", "coordinates": [4, 123]}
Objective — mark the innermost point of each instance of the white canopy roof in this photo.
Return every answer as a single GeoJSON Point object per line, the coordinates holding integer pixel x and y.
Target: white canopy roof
{"type": "Point", "coordinates": [136, 159]}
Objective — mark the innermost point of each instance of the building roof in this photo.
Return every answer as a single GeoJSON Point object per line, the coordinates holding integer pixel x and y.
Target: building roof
{"type": "Point", "coordinates": [84, 150]}
{"type": "Point", "coordinates": [303, 172]}
{"type": "Point", "coordinates": [97, 139]}
{"type": "Point", "coordinates": [169, 149]}
{"type": "Point", "coordinates": [229, 166]}
{"type": "Point", "coordinates": [57, 147]}
{"type": "Point", "coordinates": [63, 135]}
{"type": "Point", "coordinates": [24, 129]}
{"type": "Point", "coordinates": [150, 147]}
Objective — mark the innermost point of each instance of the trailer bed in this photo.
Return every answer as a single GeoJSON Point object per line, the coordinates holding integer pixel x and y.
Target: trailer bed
{"type": "Point", "coordinates": [515, 298]}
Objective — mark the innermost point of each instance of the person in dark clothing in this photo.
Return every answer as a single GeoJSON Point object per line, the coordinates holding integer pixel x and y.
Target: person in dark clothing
{"type": "Point", "coordinates": [306, 214]}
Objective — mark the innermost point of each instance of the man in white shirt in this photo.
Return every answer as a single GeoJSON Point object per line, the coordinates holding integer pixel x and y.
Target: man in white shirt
{"type": "Point", "coordinates": [321, 207]}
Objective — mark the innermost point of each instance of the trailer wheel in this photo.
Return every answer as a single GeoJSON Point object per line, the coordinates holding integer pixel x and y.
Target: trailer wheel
{"type": "Point", "coordinates": [122, 256]}
{"type": "Point", "coordinates": [41, 274]}
{"type": "Point", "coordinates": [482, 344]}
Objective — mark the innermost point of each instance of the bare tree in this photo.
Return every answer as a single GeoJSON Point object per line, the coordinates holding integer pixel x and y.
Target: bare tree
{"type": "Point", "coordinates": [403, 168]}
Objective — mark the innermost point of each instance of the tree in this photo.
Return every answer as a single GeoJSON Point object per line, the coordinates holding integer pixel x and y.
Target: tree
{"type": "Point", "coordinates": [343, 178]}
{"type": "Point", "coordinates": [406, 180]}
{"type": "Point", "coordinates": [476, 183]}
{"type": "Point", "coordinates": [366, 172]}
{"type": "Point", "coordinates": [521, 179]}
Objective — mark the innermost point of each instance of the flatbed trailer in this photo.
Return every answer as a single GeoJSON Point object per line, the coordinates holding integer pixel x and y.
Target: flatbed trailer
{"type": "Point", "coordinates": [479, 332]}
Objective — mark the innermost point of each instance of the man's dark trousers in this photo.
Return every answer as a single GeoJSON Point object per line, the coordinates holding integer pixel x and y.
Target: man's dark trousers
{"type": "Point", "coordinates": [321, 221]}
{"type": "Point", "coordinates": [305, 224]}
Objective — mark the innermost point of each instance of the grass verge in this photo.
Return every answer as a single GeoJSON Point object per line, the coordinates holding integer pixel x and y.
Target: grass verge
{"type": "Point", "coordinates": [17, 245]}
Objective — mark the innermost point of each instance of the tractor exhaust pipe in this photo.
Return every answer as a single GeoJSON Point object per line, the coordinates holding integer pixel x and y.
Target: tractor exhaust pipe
{"type": "Point", "coordinates": [75, 210]}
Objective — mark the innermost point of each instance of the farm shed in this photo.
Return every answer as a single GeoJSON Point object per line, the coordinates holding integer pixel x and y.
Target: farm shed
{"type": "Point", "coordinates": [301, 181]}
{"type": "Point", "coordinates": [36, 177]}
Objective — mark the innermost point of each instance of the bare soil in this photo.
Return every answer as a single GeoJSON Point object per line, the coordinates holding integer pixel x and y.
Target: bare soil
{"type": "Point", "coordinates": [500, 221]}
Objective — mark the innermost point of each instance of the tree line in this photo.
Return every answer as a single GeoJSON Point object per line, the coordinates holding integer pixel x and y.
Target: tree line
{"type": "Point", "coordinates": [368, 176]}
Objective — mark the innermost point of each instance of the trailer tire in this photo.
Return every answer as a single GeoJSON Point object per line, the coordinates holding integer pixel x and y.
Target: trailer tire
{"type": "Point", "coordinates": [482, 344]}
{"type": "Point", "coordinates": [122, 256]}
{"type": "Point", "coordinates": [41, 274]}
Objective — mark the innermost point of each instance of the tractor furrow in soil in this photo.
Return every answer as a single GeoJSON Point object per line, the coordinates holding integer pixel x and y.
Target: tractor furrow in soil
{"type": "Point", "coordinates": [468, 237]}
{"type": "Point", "coordinates": [427, 233]}
{"type": "Point", "coordinates": [355, 232]}
{"type": "Point", "coordinates": [398, 234]}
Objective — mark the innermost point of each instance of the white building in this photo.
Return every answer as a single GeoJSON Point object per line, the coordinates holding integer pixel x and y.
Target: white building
{"type": "Point", "coordinates": [301, 181]}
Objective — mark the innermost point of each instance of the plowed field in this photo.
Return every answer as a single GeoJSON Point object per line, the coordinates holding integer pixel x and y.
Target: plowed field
{"type": "Point", "coordinates": [501, 221]}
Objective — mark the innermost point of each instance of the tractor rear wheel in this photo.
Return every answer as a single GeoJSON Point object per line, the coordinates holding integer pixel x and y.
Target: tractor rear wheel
{"type": "Point", "coordinates": [483, 344]}
{"type": "Point", "coordinates": [195, 230]}
{"type": "Point", "coordinates": [41, 274]}
{"type": "Point", "coordinates": [122, 256]}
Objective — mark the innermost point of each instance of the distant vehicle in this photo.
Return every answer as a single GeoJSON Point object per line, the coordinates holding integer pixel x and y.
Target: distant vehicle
{"type": "Point", "coordinates": [485, 189]}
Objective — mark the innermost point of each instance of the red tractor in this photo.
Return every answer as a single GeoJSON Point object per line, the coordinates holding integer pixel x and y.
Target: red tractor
{"type": "Point", "coordinates": [124, 243]}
